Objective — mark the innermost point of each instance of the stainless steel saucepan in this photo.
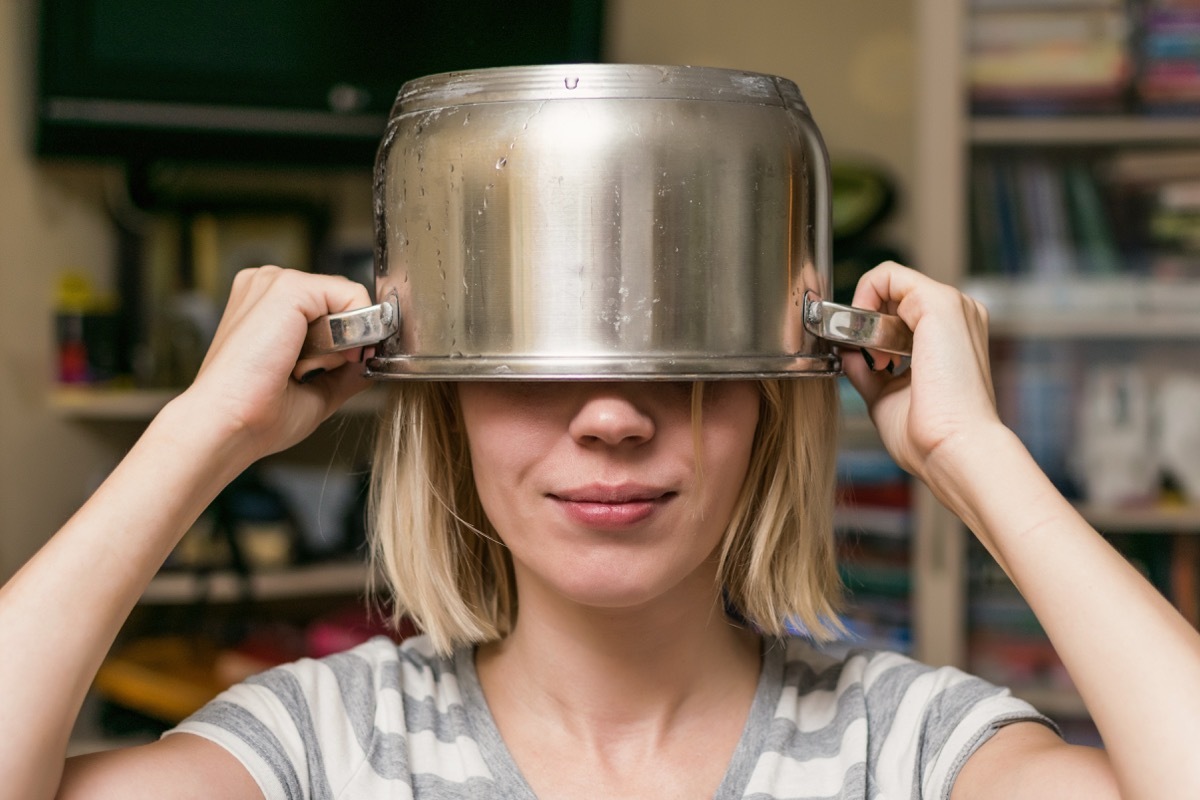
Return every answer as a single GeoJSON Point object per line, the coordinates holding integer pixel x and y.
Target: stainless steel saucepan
{"type": "Point", "coordinates": [603, 221]}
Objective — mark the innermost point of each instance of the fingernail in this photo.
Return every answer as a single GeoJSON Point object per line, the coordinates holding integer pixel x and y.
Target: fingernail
{"type": "Point", "coordinates": [867, 357]}
{"type": "Point", "coordinates": [312, 373]}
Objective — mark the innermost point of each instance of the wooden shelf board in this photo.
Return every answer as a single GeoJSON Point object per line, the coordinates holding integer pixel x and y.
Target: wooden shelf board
{"type": "Point", "coordinates": [99, 404]}
{"type": "Point", "coordinates": [86, 402]}
{"type": "Point", "coordinates": [169, 588]}
{"type": "Point", "coordinates": [1083, 130]}
{"type": "Point", "coordinates": [1071, 325]}
{"type": "Point", "coordinates": [1158, 519]}
{"type": "Point", "coordinates": [1053, 702]}
{"type": "Point", "coordinates": [1080, 306]}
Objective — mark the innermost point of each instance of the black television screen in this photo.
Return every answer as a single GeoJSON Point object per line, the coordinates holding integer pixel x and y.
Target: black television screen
{"type": "Point", "coordinates": [273, 81]}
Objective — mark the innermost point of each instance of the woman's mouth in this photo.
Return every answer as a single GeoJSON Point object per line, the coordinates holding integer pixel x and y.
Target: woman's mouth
{"type": "Point", "coordinates": [611, 507]}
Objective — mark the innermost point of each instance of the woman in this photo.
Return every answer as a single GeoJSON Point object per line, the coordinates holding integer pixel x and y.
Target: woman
{"type": "Point", "coordinates": [630, 647]}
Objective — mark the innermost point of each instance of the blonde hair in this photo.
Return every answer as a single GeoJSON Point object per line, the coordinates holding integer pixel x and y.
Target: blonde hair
{"type": "Point", "coordinates": [448, 571]}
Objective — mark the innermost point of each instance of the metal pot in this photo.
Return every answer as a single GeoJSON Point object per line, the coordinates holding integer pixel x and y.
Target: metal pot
{"type": "Point", "coordinates": [603, 221]}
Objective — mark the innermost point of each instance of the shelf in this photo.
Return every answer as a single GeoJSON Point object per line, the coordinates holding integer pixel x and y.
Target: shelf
{"type": "Point", "coordinates": [1063, 325]}
{"type": "Point", "coordinates": [1157, 519]}
{"type": "Point", "coordinates": [1093, 308]}
{"type": "Point", "coordinates": [109, 404]}
{"type": "Point", "coordinates": [87, 403]}
{"type": "Point", "coordinates": [1053, 702]}
{"type": "Point", "coordinates": [1080, 131]}
{"type": "Point", "coordinates": [173, 588]}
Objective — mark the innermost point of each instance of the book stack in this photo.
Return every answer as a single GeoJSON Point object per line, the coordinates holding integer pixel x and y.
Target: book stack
{"type": "Point", "coordinates": [1040, 217]}
{"type": "Point", "coordinates": [1037, 395]}
{"type": "Point", "coordinates": [1170, 75]}
{"type": "Point", "coordinates": [1006, 644]}
{"type": "Point", "coordinates": [1161, 190]}
{"type": "Point", "coordinates": [873, 527]}
{"type": "Point", "coordinates": [1049, 56]}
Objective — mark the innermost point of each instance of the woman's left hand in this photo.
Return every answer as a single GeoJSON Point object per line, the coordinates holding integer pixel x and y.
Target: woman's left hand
{"type": "Point", "coordinates": [947, 393]}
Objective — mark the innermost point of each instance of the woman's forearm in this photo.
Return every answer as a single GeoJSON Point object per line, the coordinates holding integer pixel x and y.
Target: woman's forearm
{"type": "Point", "coordinates": [1134, 659]}
{"type": "Point", "coordinates": [62, 610]}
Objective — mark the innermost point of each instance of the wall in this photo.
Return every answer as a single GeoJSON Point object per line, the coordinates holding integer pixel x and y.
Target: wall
{"type": "Point", "coordinates": [851, 58]}
{"type": "Point", "coordinates": [50, 218]}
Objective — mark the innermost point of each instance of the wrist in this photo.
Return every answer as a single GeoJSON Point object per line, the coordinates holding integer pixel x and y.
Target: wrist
{"type": "Point", "coordinates": [217, 445]}
{"type": "Point", "coordinates": [973, 466]}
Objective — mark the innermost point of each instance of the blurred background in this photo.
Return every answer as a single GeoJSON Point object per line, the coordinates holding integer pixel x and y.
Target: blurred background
{"type": "Point", "coordinates": [1044, 154]}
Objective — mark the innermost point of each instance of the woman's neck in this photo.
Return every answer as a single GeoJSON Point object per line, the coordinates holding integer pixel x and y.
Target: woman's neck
{"type": "Point", "coordinates": [597, 672]}
{"type": "Point", "coordinates": [633, 702]}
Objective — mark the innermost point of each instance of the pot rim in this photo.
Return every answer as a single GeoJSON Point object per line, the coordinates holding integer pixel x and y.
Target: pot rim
{"type": "Point", "coordinates": [602, 368]}
{"type": "Point", "coordinates": [596, 82]}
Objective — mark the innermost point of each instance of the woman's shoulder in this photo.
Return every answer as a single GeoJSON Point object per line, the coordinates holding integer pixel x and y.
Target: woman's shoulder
{"type": "Point", "coordinates": [378, 664]}
{"type": "Point", "coordinates": [879, 681]}
{"type": "Point", "coordinates": [847, 662]}
{"type": "Point", "coordinates": [802, 655]}
{"type": "Point", "coordinates": [315, 721]}
{"type": "Point", "coordinates": [374, 677]}
{"type": "Point", "coordinates": [841, 714]}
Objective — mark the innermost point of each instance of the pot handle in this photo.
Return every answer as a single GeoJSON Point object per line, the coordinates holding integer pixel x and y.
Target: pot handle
{"type": "Point", "coordinates": [847, 325]}
{"type": "Point", "coordinates": [357, 328]}
{"type": "Point", "coordinates": [856, 327]}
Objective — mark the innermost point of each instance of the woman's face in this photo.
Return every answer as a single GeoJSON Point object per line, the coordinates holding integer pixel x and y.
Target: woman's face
{"type": "Point", "coordinates": [594, 487]}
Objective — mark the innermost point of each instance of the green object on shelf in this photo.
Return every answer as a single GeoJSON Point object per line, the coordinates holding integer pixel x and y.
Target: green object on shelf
{"type": "Point", "coordinates": [862, 197]}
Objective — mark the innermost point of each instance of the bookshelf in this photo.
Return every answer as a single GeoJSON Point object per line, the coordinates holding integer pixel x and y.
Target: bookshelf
{"type": "Point", "coordinates": [336, 577]}
{"type": "Point", "coordinates": [1114, 129]}
{"type": "Point", "coordinates": [101, 404]}
{"type": "Point", "coordinates": [1137, 317]}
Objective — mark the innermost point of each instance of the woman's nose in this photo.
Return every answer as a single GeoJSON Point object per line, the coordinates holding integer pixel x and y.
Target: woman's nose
{"type": "Point", "coordinates": [611, 416]}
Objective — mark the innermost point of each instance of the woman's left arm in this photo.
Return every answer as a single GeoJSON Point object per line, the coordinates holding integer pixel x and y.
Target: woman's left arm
{"type": "Point", "coordinates": [1133, 658]}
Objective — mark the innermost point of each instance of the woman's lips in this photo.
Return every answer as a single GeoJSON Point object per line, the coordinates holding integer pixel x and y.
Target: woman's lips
{"type": "Point", "coordinates": [611, 507]}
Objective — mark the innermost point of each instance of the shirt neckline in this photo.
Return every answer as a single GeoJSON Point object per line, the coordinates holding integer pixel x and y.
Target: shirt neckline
{"type": "Point", "coordinates": [510, 783]}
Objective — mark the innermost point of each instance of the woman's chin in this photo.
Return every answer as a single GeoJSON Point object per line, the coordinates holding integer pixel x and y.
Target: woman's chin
{"type": "Point", "coordinates": [626, 587]}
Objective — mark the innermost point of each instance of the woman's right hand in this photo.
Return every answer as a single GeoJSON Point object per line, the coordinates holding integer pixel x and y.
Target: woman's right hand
{"type": "Point", "coordinates": [941, 404]}
{"type": "Point", "coordinates": [252, 385]}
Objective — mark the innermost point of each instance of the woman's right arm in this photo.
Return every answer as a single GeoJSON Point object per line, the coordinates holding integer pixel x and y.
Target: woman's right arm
{"type": "Point", "coordinates": [60, 613]}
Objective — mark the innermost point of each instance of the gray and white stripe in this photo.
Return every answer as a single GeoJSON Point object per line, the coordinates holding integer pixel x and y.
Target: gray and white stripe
{"type": "Point", "coordinates": [387, 721]}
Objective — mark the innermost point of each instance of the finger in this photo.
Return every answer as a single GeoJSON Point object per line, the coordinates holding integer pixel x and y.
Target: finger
{"type": "Point", "coordinates": [882, 287]}
{"type": "Point", "coordinates": [865, 380]}
{"type": "Point", "coordinates": [313, 294]}
{"type": "Point", "coordinates": [308, 369]}
{"type": "Point", "coordinates": [982, 345]}
{"type": "Point", "coordinates": [336, 385]}
{"type": "Point", "coordinates": [269, 312]}
{"type": "Point", "coordinates": [896, 289]}
{"type": "Point", "coordinates": [881, 361]}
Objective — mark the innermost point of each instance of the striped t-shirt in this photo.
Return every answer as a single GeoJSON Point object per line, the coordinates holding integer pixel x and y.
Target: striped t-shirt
{"type": "Point", "coordinates": [383, 720]}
